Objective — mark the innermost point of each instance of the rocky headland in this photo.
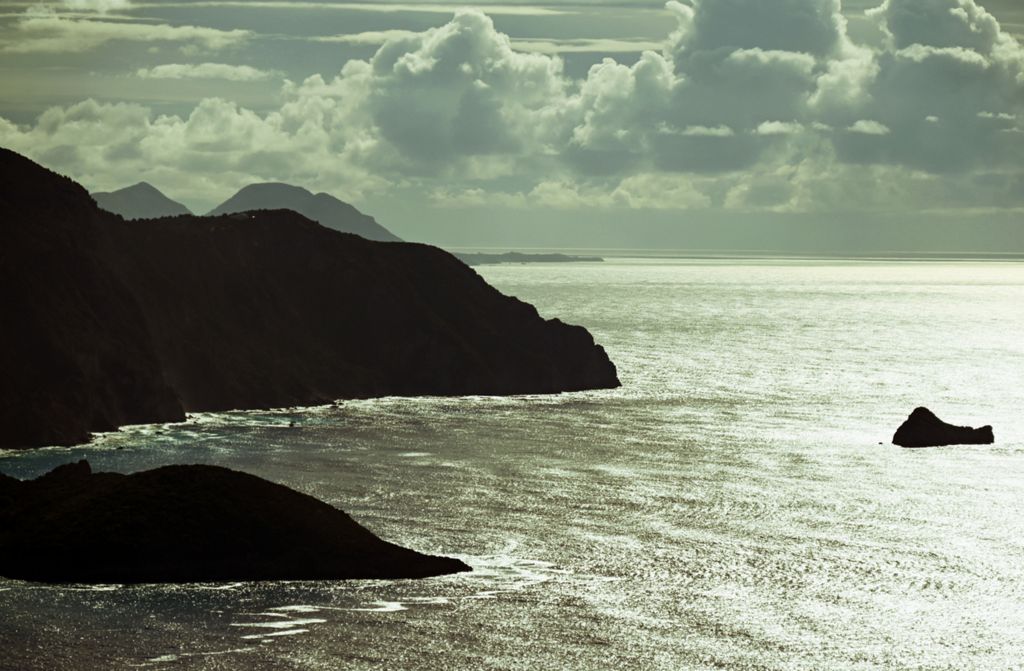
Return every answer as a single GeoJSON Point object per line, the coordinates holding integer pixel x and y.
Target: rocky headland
{"type": "Point", "coordinates": [187, 524]}
{"type": "Point", "coordinates": [109, 322]}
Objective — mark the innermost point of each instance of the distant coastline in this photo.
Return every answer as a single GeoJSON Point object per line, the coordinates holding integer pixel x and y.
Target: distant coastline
{"type": "Point", "coordinates": [595, 254]}
{"type": "Point", "coordinates": [482, 258]}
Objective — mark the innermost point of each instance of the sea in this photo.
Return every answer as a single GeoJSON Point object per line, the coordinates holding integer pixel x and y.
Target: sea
{"type": "Point", "coordinates": [736, 504]}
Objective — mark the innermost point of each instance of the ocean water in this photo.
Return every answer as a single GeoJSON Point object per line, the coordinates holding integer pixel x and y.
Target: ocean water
{"type": "Point", "coordinates": [736, 504]}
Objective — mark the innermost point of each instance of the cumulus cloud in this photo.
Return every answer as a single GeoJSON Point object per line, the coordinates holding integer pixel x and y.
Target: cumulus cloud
{"type": "Point", "coordinates": [472, 93]}
{"type": "Point", "coordinates": [749, 105]}
{"type": "Point", "coordinates": [944, 59]}
{"type": "Point", "coordinates": [869, 127]}
{"type": "Point", "coordinates": [238, 73]}
{"type": "Point", "coordinates": [779, 128]}
{"type": "Point", "coordinates": [814, 27]}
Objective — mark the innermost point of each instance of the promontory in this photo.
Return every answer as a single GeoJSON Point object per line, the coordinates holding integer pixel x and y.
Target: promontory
{"type": "Point", "coordinates": [187, 524]}
{"type": "Point", "coordinates": [110, 322]}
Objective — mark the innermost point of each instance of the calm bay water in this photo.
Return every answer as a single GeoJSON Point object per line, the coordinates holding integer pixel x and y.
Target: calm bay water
{"type": "Point", "coordinates": [730, 507]}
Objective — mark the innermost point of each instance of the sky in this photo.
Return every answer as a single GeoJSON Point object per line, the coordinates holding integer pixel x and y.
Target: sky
{"type": "Point", "coordinates": [807, 125]}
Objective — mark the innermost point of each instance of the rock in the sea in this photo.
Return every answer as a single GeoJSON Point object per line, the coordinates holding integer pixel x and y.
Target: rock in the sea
{"type": "Point", "coordinates": [924, 429]}
{"type": "Point", "coordinates": [187, 524]}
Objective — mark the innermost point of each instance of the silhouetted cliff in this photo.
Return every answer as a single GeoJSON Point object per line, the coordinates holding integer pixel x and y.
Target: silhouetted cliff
{"type": "Point", "coordinates": [187, 524]}
{"type": "Point", "coordinates": [76, 353]}
{"type": "Point", "coordinates": [322, 208]}
{"type": "Point", "coordinates": [139, 201]}
{"type": "Point", "coordinates": [109, 322]}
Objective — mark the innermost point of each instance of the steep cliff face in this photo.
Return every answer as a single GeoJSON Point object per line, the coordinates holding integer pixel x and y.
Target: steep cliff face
{"type": "Point", "coordinates": [114, 322]}
{"type": "Point", "coordinates": [187, 524]}
{"type": "Point", "coordinates": [75, 348]}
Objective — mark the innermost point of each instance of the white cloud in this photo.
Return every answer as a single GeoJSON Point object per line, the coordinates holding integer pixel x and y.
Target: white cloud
{"type": "Point", "coordinates": [47, 31]}
{"type": "Point", "coordinates": [869, 127]}
{"type": "Point", "coordinates": [217, 148]}
{"type": "Point", "coordinates": [649, 191]}
{"type": "Point", "coordinates": [938, 23]}
{"type": "Point", "coordinates": [751, 105]}
{"type": "Point", "coordinates": [707, 131]}
{"type": "Point", "coordinates": [585, 45]}
{"type": "Point", "coordinates": [370, 37]}
{"type": "Point", "coordinates": [779, 128]}
{"type": "Point", "coordinates": [1001, 116]}
{"type": "Point", "coordinates": [97, 5]}
{"type": "Point", "coordinates": [540, 46]}
{"type": "Point", "coordinates": [238, 73]}
{"type": "Point", "coordinates": [498, 9]}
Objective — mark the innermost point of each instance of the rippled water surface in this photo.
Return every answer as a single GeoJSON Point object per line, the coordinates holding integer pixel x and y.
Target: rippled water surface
{"type": "Point", "coordinates": [735, 505]}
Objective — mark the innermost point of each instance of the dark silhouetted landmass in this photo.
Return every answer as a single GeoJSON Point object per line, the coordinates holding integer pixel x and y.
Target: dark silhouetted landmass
{"type": "Point", "coordinates": [109, 322]}
{"type": "Point", "coordinates": [187, 524]}
{"type": "Point", "coordinates": [924, 429]}
{"type": "Point", "coordinates": [75, 347]}
{"type": "Point", "coordinates": [321, 207]}
{"type": "Point", "coordinates": [481, 259]}
{"type": "Point", "coordinates": [139, 201]}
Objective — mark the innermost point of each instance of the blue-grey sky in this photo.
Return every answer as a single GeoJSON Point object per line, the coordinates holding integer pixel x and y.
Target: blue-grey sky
{"type": "Point", "coordinates": [455, 123]}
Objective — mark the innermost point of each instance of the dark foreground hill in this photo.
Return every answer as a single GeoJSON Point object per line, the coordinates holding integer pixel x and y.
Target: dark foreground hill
{"type": "Point", "coordinates": [139, 201]}
{"type": "Point", "coordinates": [322, 208]}
{"type": "Point", "coordinates": [187, 524]}
{"type": "Point", "coordinates": [108, 322]}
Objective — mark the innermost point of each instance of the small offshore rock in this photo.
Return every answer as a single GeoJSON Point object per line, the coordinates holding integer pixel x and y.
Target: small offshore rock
{"type": "Point", "coordinates": [924, 429]}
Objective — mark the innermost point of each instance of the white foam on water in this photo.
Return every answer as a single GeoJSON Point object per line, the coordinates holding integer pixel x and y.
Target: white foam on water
{"type": "Point", "coordinates": [174, 657]}
{"type": "Point", "coordinates": [222, 587]}
{"type": "Point", "coordinates": [382, 607]}
{"type": "Point", "coordinates": [298, 608]}
{"type": "Point", "coordinates": [289, 632]}
{"type": "Point", "coordinates": [280, 624]}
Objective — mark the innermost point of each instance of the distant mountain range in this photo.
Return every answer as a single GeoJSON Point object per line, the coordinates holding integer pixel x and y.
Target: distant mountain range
{"type": "Point", "coordinates": [322, 208]}
{"type": "Point", "coordinates": [144, 201]}
{"type": "Point", "coordinates": [139, 201]}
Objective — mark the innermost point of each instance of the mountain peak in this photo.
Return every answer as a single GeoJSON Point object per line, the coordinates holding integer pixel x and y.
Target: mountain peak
{"type": "Point", "coordinates": [141, 200]}
{"type": "Point", "coordinates": [322, 208]}
{"type": "Point", "coordinates": [274, 188]}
